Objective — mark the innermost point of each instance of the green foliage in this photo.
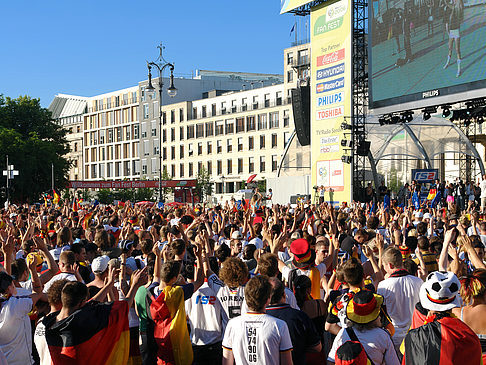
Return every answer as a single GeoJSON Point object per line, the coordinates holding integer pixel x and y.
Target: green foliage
{"type": "Point", "coordinates": [204, 187]}
{"type": "Point", "coordinates": [108, 196]}
{"type": "Point", "coordinates": [33, 142]}
{"type": "Point", "coordinates": [262, 185]}
{"type": "Point", "coordinates": [394, 184]}
{"type": "Point", "coordinates": [166, 191]}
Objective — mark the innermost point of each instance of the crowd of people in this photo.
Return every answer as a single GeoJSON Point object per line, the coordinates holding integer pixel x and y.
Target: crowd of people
{"type": "Point", "coordinates": [279, 284]}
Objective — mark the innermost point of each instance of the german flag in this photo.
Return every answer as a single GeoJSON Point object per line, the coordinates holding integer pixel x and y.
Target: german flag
{"type": "Point", "coordinates": [86, 220]}
{"type": "Point", "coordinates": [167, 318]}
{"type": "Point", "coordinates": [55, 200]}
{"type": "Point", "coordinates": [96, 334]}
{"type": "Point", "coordinates": [75, 205]}
{"type": "Point", "coordinates": [442, 341]}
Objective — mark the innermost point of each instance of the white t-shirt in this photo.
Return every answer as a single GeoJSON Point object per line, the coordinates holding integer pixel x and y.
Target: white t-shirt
{"type": "Point", "coordinates": [231, 299]}
{"type": "Point", "coordinates": [376, 342]}
{"type": "Point", "coordinates": [15, 330]}
{"type": "Point", "coordinates": [206, 315]}
{"type": "Point", "coordinates": [482, 185]}
{"type": "Point", "coordinates": [60, 276]}
{"type": "Point", "coordinates": [41, 344]}
{"type": "Point", "coordinates": [257, 338]}
{"type": "Point", "coordinates": [400, 296]}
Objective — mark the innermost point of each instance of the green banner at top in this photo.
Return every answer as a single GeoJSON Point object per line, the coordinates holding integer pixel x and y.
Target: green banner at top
{"type": "Point", "coordinates": [288, 5]}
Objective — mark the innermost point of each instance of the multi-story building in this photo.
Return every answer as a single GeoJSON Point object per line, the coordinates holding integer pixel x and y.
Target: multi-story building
{"type": "Point", "coordinates": [111, 136]}
{"type": "Point", "coordinates": [68, 111]}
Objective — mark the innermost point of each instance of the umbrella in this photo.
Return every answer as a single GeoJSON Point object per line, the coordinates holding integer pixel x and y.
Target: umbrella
{"type": "Point", "coordinates": [251, 178]}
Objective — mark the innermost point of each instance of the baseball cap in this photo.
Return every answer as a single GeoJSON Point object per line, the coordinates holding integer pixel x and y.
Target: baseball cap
{"type": "Point", "coordinates": [100, 264]}
{"type": "Point", "coordinates": [236, 235]}
{"type": "Point", "coordinates": [427, 215]}
{"type": "Point", "coordinates": [419, 214]}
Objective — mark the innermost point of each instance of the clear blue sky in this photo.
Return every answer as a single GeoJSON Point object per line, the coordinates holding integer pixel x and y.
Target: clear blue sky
{"type": "Point", "coordinates": [90, 47]}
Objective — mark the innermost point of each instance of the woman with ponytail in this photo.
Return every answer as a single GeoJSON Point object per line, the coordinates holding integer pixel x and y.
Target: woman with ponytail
{"type": "Point", "coordinates": [473, 293]}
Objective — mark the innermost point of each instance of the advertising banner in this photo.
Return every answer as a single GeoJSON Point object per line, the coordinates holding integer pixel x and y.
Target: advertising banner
{"type": "Point", "coordinates": [331, 86]}
{"type": "Point", "coordinates": [130, 184]}
{"type": "Point", "coordinates": [288, 5]}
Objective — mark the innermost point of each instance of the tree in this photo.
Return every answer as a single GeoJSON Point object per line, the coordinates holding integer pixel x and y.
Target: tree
{"type": "Point", "coordinates": [32, 141]}
{"type": "Point", "coordinates": [166, 191]}
{"type": "Point", "coordinates": [204, 187]}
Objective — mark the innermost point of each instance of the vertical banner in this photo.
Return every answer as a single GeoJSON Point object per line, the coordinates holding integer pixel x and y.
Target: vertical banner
{"type": "Point", "coordinates": [331, 97]}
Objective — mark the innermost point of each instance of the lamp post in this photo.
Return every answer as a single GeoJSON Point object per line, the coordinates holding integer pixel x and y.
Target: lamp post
{"type": "Point", "coordinates": [161, 64]}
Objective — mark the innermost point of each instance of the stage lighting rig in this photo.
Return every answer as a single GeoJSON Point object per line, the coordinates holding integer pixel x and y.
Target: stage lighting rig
{"type": "Point", "coordinates": [347, 143]}
{"type": "Point", "coordinates": [345, 126]}
{"type": "Point", "coordinates": [446, 110]}
{"type": "Point", "coordinates": [407, 116]}
{"type": "Point", "coordinates": [347, 159]}
{"type": "Point", "coordinates": [428, 111]}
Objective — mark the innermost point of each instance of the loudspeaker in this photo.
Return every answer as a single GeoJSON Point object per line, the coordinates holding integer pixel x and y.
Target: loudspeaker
{"type": "Point", "coordinates": [301, 110]}
{"type": "Point", "coordinates": [363, 148]}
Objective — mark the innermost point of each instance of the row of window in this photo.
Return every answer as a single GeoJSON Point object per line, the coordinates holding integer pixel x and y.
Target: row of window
{"type": "Point", "coordinates": [114, 117]}
{"type": "Point", "coordinates": [111, 135]}
{"type": "Point", "coordinates": [114, 102]}
{"type": "Point", "coordinates": [112, 169]}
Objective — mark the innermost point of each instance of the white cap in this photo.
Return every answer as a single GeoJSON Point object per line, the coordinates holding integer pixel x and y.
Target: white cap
{"type": "Point", "coordinates": [56, 252]}
{"type": "Point", "coordinates": [236, 235]}
{"type": "Point", "coordinates": [13, 215]}
{"type": "Point", "coordinates": [100, 264]}
{"type": "Point", "coordinates": [419, 214]}
{"type": "Point", "coordinates": [427, 215]}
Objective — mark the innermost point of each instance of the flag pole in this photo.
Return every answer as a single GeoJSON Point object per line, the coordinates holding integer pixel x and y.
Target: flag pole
{"type": "Point", "coordinates": [52, 176]}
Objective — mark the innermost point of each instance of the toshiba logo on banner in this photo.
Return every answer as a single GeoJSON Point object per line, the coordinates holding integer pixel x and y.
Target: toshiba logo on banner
{"type": "Point", "coordinates": [330, 113]}
{"type": "Point", "coordinates": [330, 58]}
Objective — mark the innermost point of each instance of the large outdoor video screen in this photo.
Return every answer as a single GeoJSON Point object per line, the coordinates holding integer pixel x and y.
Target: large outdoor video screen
{"type": "Point", "coordinates": [424, 49]}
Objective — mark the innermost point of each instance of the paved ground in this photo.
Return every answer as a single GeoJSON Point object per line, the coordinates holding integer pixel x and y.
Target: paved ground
{"type": "Point", "coordinates": [425, 71]}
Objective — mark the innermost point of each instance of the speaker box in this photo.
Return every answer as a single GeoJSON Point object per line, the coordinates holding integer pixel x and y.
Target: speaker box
{"type": "Point", "coordinates": [301, 110]}
{"type": "Point", "coordinates": [363, 148]}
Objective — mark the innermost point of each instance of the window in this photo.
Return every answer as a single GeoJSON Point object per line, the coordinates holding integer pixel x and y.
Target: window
{"type": "Point", "coordinates": [181, 133]}
{"type": "Point", "coordinates": [199, 130]}
{"type": "Point", "coordinates": [262, 141]}
{"type": "Point", "coordinates": [204, 111]}
{"type": "Point", "coordinates": [164, 153]}
{"type": "Point", "coordinates": [262, 163]}
{"type": "Point", "coordinates": [181, 151]}
{"type": "Point", "coordinates": [278, 98]}
{"type": "Point", "coordinates": [229, 166]}
{"type": "Point", "coordinates": [229, 126]}
{"type": "Point", "coordinates": [172, 116]}
{"type": "Point", "coordinates": [262, 121]}
{"type": "Point", "coordinates": [191, 169]}
{"type": "Point", "coordinates": [290, 58]}
{"type": "Point", "coordinates": [75, 147]}
{"type": "Point", "coordinates": [219, 147]}
{"type": "Point", "coordinates": [191, 151]}
{"type": "Point", "coordinates": [251, 164]}
{"type": "Point", "coordinates": [219, 167]}
{"type": "Point", "coordinates": [250, 143]}
{"type": "Point", "coordinates": [144, 132]}
{"type": "Point", "coordinates": [266, 98]}
{"type": "Point", "coordinates": [273, 120]}
{"type": "Point", "coordinates": [194, 113]}
{"type": "Point", "coordinates": [181, 115]}
{"type": "Point", "coordinates": [144, 169]}
{"type": "Point", "coordinates": [190, 131]}
{"type": "Point", "coordinates": [274, 140]}
{"type": "Point", "coordinates": [290, 76]}
{"type": "Point", "coordinates": [145, 150]}
{"type": "Point", "coordinates": [172, 134]}
{"type": "Point", "coordinates": [240, 144]}
{"type": "Point", "coordinates": [127, 133]}
{"type": "Point", "coordinates": [219, 128]}
{"type": "Point", "coordinates": [164, 136]}
{"type": "Point", "coordinates": [172, 153]}
{"type": "Point", "coordinates": [164, 118]}
{"type": "Point", "coordinates": [240, 165]}
{"type": "Point", "coordinates": [213, 109]}
{"type": "Point", "coordinates": [181, 170]}
{"type": "Point", "coordinates": [244, 106]}
{"type": "Point", "coordinates": [199, 149]}
{"type": "Point", "coordinates": [229, 145]}
{"type": "Point", "coordinates": [286, 118]}
{"type": "Point", "coordinates": [156, 146]}
{"type": "Point", "coordinates": [209, 129]}
{"type": "Point", "coordinates": [233, 106]}
{"type": "Point", "coordinates": [135, 132]}
{"type": "Point", "coordinates": [250, 123]}
{"type": "Point", "coordinates": [145, 111]}
{"type": "Point", "coordinates": [172, 170]}
{"type": "Point", "coordinates": [255, 102]}
{"type": "Point", "coordinates": [303, 57]}
{"type": "Point", "coordinates": [286, 138]}
{"type": "Point", "coordinates": [154, 165]}
{"type": "Point", "coordinates": [274, 162]}
{"type": "Point", "coordinates": [154, 128]}
{"type": "Point", "coordinates": [209, 147]}
{"type": "Point", "coordinates": [240, 125]}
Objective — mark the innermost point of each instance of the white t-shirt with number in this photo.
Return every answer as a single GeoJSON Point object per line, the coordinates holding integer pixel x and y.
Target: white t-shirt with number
{"type": "Point", "coordinates": [257, 338]}
{"type": "Point", "coordinates": [231, 299]}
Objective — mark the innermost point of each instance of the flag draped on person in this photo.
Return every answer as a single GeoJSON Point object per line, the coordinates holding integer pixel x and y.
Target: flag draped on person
{"type": "Point", "coordinates": [436, 199]}
{"type": "Point", "coordinates": [432, 194]}
{"type": "Point", "coordinates": [86, 220]}
{"type": "Point", "coordinates": [96, 334]}
{"type": "Point", "coordinates": [167, 317]}
{"type": "Point", "coordinates": [416, 200]}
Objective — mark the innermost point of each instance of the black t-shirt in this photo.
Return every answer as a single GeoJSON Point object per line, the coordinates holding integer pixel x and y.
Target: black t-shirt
{"type": "Point", "coordinates": [302, 331]}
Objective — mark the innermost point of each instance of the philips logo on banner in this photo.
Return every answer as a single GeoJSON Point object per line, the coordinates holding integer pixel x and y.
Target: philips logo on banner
{"type": "Point", "coordinates": [330, 99]}
{"type": "Point", "coordinates": [330, 71]}
{"type": "Point", "coordinates": [330, 85]}
{"type": "Point", "coordinates": [425, 175]}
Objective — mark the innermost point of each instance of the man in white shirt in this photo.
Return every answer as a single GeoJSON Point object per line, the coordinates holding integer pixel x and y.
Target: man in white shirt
{"type": "Point", "coordinates": [256, 337]}
{"type": "Point", "coordinates": [66, 265]}
{"type": "Point", "coordinates": [482, 185]}
{"type": "Point", "coordinates": [400, 291]}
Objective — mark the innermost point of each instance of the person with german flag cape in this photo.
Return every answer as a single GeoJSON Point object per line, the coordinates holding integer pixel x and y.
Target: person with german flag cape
{"type": "Point", "coordinates": [443, 338]}
{"type": "Point", "coordinates": [90, 332]}
{"type": "Point", "coordinates": [166, 315]}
